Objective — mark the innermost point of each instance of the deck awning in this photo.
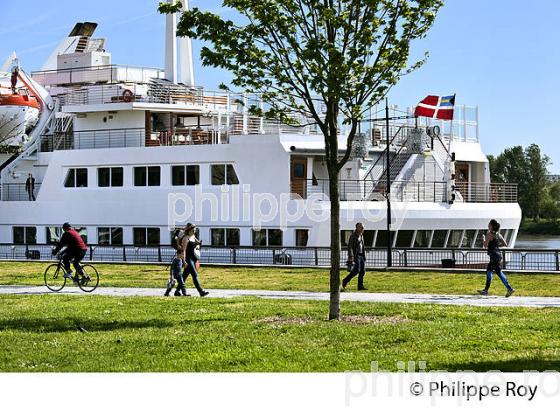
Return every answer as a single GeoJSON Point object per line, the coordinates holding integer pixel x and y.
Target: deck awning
{"type": "Point", "coordinates": [468, 152]}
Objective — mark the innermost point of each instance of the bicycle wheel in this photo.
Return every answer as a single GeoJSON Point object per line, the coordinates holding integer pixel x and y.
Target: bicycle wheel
{"type": "Point", "coordinates": [54, 277]}
{"type": "Point", "coordinates": [90, 279]}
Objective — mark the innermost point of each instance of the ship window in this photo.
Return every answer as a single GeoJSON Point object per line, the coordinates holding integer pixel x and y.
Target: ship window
{"type": "Point", "coordinates": [479, 242]}
{"type": "Point", "coordinates": [369, 236]}
{"type": "Point", "coordinates": [259, 237]}
{"type": "Point", "coordinates": [382, 237]}
{"type": "Point", "coordinates": [154, 176]}
{"type": "Point", "coordinates": [76, 178]}
{"type": "Point", "coordinates": [454, 240]}
{"type": "Point", "coordinates": [344, 237]}
{"type": "Point", "coordinates": [53, 234]}
{"type": "Point", "coordinates": [231, 176]}
{"type": "Point", "coordinates": [109, 236]}
{"type": "Point", "coordinates": [267, 237]}
{"type": "Point", "coordinates": [274, 237]}
{"type": "Point", "coordinates": [24, 235]}
{"type": "Point", "coordinates": [438, 240]}
{"type": "Point", "coordinates": [224, 237]}
{"type": "Point", "coordinates": [222, 174]}
{"type": "Point", "coordinates": [299, 170]}
{"type": "Point", "coordinates": [185, 175]}
{"type": "Point", "coordinates": [83, 233]}
{"type": "Point", "coordinates": [422, 239]}
{"type": "Point", "coordinates": [404, 239]}
{"type": "Point", "coordinates": [145, 236]}
{"type": "Point", "coordinates": [507, 234]}
{"type": "Point", "coordinates": [108, 177]}
{"type": "Point", "coordinates": [302, 237]}
{"type": "Point", "coordinates": [469, 238]}
{"type": "Point", "coordinates": [147, 176]}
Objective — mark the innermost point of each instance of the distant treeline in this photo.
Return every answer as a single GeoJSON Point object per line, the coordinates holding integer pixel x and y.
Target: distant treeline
{"type": "Point", "coordinates": [539, 198]}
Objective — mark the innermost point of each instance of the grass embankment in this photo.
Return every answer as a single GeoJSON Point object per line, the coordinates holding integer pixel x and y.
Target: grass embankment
{"type": "Point", "coordinates": [296, 279]}
{"type": "Point", "coordinates": [541, 227]}
{"type": "Point", "coordinates": [99, 334]}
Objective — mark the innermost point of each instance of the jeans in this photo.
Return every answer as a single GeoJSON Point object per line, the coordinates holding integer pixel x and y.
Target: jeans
{"type": "Point", "coordinates": [359, 268]}
{"type": "Point", "coordinates": [494, 266]}
{"type": "Point", "coordinates": [76, 259]}
{"type": "Point", "coordinates": [176, 271]}
{"type": "Point", "coordinates": [190, 269]}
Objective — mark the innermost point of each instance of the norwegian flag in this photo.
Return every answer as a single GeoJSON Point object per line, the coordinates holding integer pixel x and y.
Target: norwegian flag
{"type": "Point", "coordinates": [436, 107]}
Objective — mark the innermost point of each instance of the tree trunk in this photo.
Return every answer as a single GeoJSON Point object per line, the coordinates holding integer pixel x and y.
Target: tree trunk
{"type": "Point", "coordinates": [334, 308]}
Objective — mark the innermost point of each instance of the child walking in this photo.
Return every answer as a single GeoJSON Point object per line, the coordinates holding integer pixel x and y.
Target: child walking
{"type": "Point", "coordinates": [176, 274]}
{"type": "Point", "coordinates": [492, 242]}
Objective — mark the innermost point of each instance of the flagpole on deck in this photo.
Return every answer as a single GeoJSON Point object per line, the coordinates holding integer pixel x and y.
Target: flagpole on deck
{"type": "Point", "coordinates": [388, 190]}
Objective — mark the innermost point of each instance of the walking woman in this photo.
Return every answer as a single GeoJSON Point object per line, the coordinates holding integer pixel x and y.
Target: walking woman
{"type": "Point", "coordinates": [191, 246]}
{"type": "Point", "coordinates": [492, 242]}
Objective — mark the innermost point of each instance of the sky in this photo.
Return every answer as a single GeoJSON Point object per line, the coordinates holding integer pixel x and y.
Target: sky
{"type": "Point", "coordinates": [502, 55]}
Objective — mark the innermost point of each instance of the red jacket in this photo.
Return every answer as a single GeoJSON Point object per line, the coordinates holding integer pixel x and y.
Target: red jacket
{"type": "Point", "coordinates": [73, 242]}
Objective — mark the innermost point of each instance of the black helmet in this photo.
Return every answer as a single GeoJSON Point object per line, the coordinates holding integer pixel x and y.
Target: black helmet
{"type": "Point", "coordinates": [66, 225]}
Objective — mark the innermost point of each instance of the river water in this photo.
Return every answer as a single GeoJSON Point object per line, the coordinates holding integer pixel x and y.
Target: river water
{"type": "Point", "coordinates": [538, 242]}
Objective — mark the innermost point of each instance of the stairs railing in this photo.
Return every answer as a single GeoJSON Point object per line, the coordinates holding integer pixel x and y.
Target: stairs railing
{"type": "Point", "coordinates": [375, 172]}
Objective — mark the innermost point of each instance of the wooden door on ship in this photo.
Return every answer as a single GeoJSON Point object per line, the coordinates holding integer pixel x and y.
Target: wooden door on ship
{"type": "Point", "coordinates": [298, 176]}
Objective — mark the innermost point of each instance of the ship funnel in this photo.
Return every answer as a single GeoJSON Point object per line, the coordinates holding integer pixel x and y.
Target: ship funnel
{"type": "Point", "coordinates": [178, 50]}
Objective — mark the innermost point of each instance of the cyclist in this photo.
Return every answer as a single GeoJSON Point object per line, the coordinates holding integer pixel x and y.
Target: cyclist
{"type": "Point", "coordinates": [75, 250]}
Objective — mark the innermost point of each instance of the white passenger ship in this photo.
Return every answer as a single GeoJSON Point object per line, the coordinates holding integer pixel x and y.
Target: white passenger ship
{"type": "Point", "coordinates": [113, 142]}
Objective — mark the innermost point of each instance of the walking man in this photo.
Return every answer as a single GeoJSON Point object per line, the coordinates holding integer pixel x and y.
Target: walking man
{"type": "Point", "coordinates": [356, 257]}
{"type": "Point", "coordinates": [30, 187]}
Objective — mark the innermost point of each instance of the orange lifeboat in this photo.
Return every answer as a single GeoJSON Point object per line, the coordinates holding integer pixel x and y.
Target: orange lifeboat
{"type": "Point", "coordinates": [19, 100]}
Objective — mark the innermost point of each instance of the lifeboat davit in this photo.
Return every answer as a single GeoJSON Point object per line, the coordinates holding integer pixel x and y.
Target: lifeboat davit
{"type": "Point", "coordinates": [18, 115]}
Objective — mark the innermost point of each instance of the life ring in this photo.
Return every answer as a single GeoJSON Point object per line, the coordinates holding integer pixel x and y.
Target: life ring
{"type": "Point", "coordinates": [127, 96]}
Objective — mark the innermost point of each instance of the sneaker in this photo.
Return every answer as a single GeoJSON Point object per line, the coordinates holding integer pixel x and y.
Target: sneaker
{"type": "Point", "coordinates": [362, 288]}
{"type": "Point", "coordinates": [510, 292]}
{"type": "Point", "coordinates": [343, 287]}
{"type": "Point", "coordinates": [204, 293]}
{"type": "Point", "coordinates": [483, 292]}
{"type": "Point", "coordinates": [68, 275]}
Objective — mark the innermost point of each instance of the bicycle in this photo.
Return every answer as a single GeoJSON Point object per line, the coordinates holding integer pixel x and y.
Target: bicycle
{"type": "Point", "coordinates": [55, 277]}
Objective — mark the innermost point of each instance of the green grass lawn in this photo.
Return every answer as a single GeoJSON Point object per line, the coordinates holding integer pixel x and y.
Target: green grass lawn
{"type": "Point", "coordinates": [43, 333]}
{"type": "Point", "coordinates": [296, 279]}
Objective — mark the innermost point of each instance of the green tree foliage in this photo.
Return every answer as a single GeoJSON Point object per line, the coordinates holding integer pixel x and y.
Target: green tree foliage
{"type": "Point", "coordinates": [527, 167]}
{"type": "Point", "coordinates": [325, 60]}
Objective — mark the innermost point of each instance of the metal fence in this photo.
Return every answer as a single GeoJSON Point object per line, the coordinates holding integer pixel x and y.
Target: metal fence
{"type": "Point", "coordinates": [18, 192]}
{"type": "Point", "coordinates": [543, 260]}
{"type": "Point", "coordinates": [406, 191]}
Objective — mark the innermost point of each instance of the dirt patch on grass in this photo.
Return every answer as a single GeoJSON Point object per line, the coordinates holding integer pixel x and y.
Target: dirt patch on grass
{"type": "Point", "coordinates": [279, 320]}
{"type": "Point", "coordinates": [351, 319]}
{"type": "Point", "coordinates": [373, 320]}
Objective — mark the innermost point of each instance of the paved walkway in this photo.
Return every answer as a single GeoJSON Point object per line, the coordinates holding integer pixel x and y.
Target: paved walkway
{"type": "Point", "coordinates": [463, 300]}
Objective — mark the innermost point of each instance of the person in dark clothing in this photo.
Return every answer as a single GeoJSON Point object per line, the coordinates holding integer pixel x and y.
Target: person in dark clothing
{"type": "Point", "coordinates": [191, 246]}
{"type": "Point", "coordinates": [177, 272]}
{"type": "Point", "coordinates": [492, 242]}
{"type": "Point", "coordinates": [30, 187]}
{"type": "Point", "coordinates": [356, 258]}
{"type": "Point", "coordinates": [75, 250]}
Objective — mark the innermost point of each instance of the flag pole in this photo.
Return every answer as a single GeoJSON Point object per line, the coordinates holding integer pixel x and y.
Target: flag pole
{"type": "Point", "coordinates": [388, 189]}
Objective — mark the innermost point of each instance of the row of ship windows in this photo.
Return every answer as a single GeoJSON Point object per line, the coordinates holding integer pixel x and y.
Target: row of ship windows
{"type": "Point", "coordinates": [143, 236]}
{"type": "Point", "coordinates": [181, 175]}
{"type": "Point", "coordinates": [454, 238]}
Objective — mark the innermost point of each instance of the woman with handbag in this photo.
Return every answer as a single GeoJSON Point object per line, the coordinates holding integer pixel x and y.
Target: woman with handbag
{"type": "Point", "coordinates": [191, 246]}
